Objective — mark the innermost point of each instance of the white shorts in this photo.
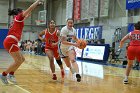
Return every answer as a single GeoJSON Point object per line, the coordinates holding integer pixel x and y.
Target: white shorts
{"type": "Point", "coordinates": [63, 51]}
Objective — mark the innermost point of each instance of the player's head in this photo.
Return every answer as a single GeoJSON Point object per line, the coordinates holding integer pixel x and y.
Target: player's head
{"type": "Point", "coordinates": [70, 23]}
{"type": "Point", "coordinates": [51, 24]}
{"type": "Point", "coordinates": [137, 26]}
{"type": "Point", "coordinates": [15, 11]}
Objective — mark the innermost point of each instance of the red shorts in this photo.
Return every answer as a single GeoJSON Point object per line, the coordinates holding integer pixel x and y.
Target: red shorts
{"type": "Point", "coordinates": [55, 51]}
{"type": "Point", "coordinates": [11, 45]}
{"type": "Point", "coordinates": [133, 52]}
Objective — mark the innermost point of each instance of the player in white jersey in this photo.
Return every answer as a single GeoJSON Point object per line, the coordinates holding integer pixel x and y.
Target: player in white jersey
{"type": "Point", "coordinates": [66, 47]}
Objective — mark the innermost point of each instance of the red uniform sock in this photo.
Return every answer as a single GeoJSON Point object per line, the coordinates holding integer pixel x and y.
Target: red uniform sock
{"type": "Point", "coordinates": [11, 73]}
{"type": "Point", "coordinates": [4, 74]}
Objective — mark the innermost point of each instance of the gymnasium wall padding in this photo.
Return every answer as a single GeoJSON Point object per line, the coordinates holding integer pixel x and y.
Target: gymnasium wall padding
{"type": "Point", "coordinates": [3, 34]}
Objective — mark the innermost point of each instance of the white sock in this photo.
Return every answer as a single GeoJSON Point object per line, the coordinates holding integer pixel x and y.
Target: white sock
{"type": "Point", "coordinates": [126, 77]}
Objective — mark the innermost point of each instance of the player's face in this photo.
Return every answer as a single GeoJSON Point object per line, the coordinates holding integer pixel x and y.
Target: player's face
{"type": "Point", "coordinates": [70, 24]}
{"type": "Point", "coordinates": [52, 24]}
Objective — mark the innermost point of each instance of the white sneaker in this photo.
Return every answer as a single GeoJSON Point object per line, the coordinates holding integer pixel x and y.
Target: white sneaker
{"type": "Point", "coordinates": [3, 79]}
{"type": "Point", "coordinates": [12, 78]}
{"type": "Point", "coordinates": [125, 81]}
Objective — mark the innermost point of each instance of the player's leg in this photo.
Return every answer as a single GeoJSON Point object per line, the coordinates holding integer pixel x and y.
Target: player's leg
{"type": "Point", "coordinates": [58, 60]}
{"type": "Point", "coordinates": [130, 57]}
{"type": "Point", "coordinates": [11, 46]}
{"type": "Point", "coordinates": [50, 55]}
{"type": "Point", "coordinates": [127, 72]}
{"type": "Point", "coordinates": [68, 64]}
{"type": "Point", "coordinates": [18, 60]}
{"type": "Point", "coordinates": [72, 56]}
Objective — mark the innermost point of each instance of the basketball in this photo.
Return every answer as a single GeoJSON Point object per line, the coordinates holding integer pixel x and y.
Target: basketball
{"type": "Point", "coordinates": [82, 43]}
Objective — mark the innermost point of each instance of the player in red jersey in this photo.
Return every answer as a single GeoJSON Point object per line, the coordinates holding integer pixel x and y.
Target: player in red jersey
{"type": "Point", "coordinates": [133, 50]}
{"type": "Point", "coordinates": [11, 41]}
{"type": "Point", "coordinates": [51, 47]}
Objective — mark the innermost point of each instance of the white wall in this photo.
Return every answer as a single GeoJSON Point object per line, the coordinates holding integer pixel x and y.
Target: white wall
{"type": "Point", "coordinates": [59, 11]}
{"type": "Point", "coordinates": [3, 13]}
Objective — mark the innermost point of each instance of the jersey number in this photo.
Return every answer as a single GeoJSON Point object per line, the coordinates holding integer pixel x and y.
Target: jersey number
{"type": "Point", "coordinates": [135, 36]}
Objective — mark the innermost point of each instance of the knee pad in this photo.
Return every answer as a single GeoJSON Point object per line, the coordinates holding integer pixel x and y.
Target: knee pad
{"type": "Point", "coordinates": [59, 62]}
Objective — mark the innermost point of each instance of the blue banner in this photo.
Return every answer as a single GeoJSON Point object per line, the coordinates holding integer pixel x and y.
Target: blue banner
{"type": "Point", "coordinates": [3, 34]}
{"type": "Point", "coordinates": [131, 4]}
{"type": "Point", "coordinates": [130, 27]}
{"type": "Point", "coordinates": [92, 32]}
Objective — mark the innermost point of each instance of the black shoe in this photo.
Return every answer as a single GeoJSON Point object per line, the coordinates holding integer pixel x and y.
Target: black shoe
{"type": "Point", "coordinates": [78, 77]}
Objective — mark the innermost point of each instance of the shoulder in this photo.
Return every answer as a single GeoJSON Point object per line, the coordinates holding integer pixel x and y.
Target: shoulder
{"type": "Point", "coordinates": [57, 32]}
{"type": "Point", "coordinates": [19, 18]}
{"type": "Point", "coordinates": [64, 29]}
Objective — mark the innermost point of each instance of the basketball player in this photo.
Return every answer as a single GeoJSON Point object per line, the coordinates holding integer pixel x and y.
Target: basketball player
{"type": "Point", "coordinates": [66, 47]}
{"type": "Point", "coordinates": [51, 47]}
{"type": "Point", "coordinates": [133, 50]}
{"type": "Point", "coordinates": [11, 41]}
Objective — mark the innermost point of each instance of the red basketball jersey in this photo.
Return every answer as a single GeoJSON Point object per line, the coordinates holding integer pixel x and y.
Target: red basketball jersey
{"type": "Point", "coordinates": [51, 38]}
{"type": "Point", "coordinates": [134, 38]}
{"type": "Point", "coordinates": [17, 26]}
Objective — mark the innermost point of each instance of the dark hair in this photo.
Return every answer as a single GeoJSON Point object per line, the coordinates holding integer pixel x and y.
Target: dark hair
{"type": "Point", "coordinates": [70, 19]}
{"type": "Point", "coordinates": [137, 25]}
{"type": "Point", "coordinates": [50, 22]}
{"type": "Point", "coordinates": [15, 11]}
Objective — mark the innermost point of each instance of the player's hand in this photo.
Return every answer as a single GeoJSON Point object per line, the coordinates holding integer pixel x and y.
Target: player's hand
{"type": "Point", "coordinates": [76, 45]}
{"type": "Point", "coordinates": [40, 2]}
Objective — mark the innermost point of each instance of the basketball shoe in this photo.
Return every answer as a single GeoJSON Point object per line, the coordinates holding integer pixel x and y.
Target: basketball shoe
{"type": "Point", "coordinates": [3, 79]}
{"type": "Point", "coordinates": [78, 77]}
{"type": "Point", "coordinates": [125, 81]}
{"type": "Point", "coordinates": [54, 77]}
{"type": "Point", "coordinates": [12, 78]}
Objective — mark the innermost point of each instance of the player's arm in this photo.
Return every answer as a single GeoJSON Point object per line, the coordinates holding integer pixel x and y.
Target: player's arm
{"type": "Point", "coordinates": [41, 34]}
{"type": "Point", "coordinates": [31, 8]}
{"type": "Point", "coordinates": [65, 42]}
{"type": "Point", "coordinates": [75, 38]}
{"type": "Point", "coordinates": [123, 40]}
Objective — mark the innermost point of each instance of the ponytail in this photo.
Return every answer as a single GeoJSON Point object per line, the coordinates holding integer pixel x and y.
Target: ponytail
{"type": "Point", "coordinates": [14, 11]}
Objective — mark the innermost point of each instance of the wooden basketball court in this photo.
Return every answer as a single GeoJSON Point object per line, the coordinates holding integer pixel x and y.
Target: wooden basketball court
{"type": "Point", "coordinates": [34, 77]}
